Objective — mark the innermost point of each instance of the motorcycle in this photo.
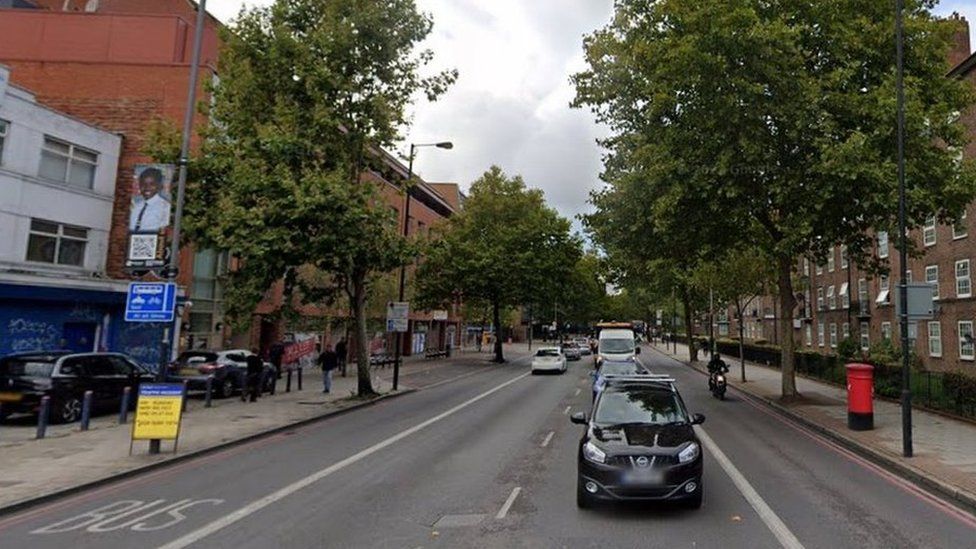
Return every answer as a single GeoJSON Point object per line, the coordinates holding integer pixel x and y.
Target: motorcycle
{"type": "Point", "coordinates": [717, 383]}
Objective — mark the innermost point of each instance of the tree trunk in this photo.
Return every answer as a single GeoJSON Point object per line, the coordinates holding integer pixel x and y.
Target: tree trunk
{"type": "Point", "coordinates": [497, 320]}
{"type": "Point", "coordinates": [689, 326]}
{"type": "Point", "coordinates": [358, 297]}
{"type": "Point", "coordinates": [786, 303]}
{"type": "Point", "coordinates": [742, 339]}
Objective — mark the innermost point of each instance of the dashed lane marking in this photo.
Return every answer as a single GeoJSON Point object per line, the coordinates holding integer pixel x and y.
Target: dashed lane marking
{"type": "Point", "coordinates": [568, 408]}
{"type": "Point", "coordinates": [508, 503]}
{"type": "Point", "coordinates": [548, 438]}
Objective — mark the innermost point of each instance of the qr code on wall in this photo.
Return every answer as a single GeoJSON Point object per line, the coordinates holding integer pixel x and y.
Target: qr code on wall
{"type": "Point", "coordinates": [142, 247]}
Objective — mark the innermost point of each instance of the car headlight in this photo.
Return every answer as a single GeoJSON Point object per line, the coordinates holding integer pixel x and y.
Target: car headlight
{"type": "Point", "coordinates": [689, 454]}
{"type": "Point", "coordinates": [592, 453]}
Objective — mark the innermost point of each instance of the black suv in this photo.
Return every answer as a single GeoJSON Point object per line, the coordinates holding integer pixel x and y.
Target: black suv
{"type": "Point", "coordinates": [65, 376]}
{"type": "Point", "coordinates": [639, 445]}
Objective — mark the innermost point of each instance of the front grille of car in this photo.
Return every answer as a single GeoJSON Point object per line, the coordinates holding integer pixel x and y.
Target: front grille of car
{"type": "Point", "coordinates": [629, 461]}
{"type": "Point", "coordinates": [642, 492]}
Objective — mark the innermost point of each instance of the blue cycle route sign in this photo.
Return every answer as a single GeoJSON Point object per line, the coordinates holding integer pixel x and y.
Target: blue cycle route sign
{"type": "Point", "coordinates": [150, 302]}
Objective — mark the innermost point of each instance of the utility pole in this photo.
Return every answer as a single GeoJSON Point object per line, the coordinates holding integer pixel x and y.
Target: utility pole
{"type": "Point", "coordinates": [906, 390]}
{"type": "Point", "coordinates": [172, 269]}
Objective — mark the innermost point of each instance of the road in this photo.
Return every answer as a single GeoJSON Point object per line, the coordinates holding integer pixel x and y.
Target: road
{"type": "Point", "coordinates": [485, 456]}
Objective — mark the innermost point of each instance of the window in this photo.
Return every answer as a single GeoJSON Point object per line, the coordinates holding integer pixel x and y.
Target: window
{"type": "Point", "coordinates": [67, 163]}
{"type": "Point", "coordinates": [966, 339]}
{"type": "Point", "coordinates": [831, 298]}
{"type": "Point", "coordinates": [3, 137]}
{"type": "Point", "coordinates": [207, 295]}
{"type": "Point", "coordinates": [882, 290]}
{"type": "Point", "coordinates": [882, 244]}
{"type": "Point", "coordinates": [862, 294]}
{"type": "Point", "coordinates": [819, 268]}
{"type": "Point", "coordinates": [932, 277]}
{"type": "Point", "coordinates": [808, 336]}
{"type": "Point", "coordinates": [820, 298]}
{"type": "Point", "coordinates": [845, 296]}
{"type": "Point", "coordinates": [908, 276]}
{"type": "Point", "coordinates": [885, 330]}
{"type": "Point", "coordinates": [865, 336]}
{"type": "Point", "coordinates": [806, 267]}
{"type": "Point", "coordinates": [820, 335]}
{"type": "Point", "coordinates": [964, 286]}
{"type": "Point", "coordinates": [845, 331]}
{"type": "Point", "coordinates": [928, 232]}
{"type": "Point", "coordinates": [912, 333]}
{"type": "Point", "coordinates": [935, 339]}
{"type": "Point", "coordinates": [830, 260]}
{"type": "Point", "coordinates": [51, 242]}
{"type": "Point", "coordinates": [845, 261]}
{"type": "Point", "coordinates": [959, 229]}
{"type": "Point", "coordinates": [833, 336]}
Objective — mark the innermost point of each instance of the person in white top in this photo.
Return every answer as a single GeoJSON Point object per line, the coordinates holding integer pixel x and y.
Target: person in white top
{"type": "Point", "coordinates": [150, 211]}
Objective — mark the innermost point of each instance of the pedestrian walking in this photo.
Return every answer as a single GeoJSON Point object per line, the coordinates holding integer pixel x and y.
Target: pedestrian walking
{"type": "Point", "coordinates": [275, 355]}
{"type": "Point", "coordinates": [341, 355]}
{"type": "Point", "coordinates": [328, 360]}
{"type": "Point", "coordinates": [255, 368]}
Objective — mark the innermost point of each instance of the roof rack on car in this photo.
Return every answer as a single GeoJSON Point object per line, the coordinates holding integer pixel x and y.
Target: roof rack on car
{"type": "Point", "coordinates": [647, 378]}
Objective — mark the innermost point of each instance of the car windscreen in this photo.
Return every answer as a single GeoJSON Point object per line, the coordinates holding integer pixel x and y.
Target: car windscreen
{"type": "Point", "coordinates": [638, 405]}
{"type": "Point", "coordinates": [197, 356]}
{"type": "Point", "coordinates": [620, 368]}
{"type": "Point", "coordinates": [26, 367]}
{"type": "Point", "coordinates": [547, 352]}
{"type": "Point", "coordinates": [616, 345]}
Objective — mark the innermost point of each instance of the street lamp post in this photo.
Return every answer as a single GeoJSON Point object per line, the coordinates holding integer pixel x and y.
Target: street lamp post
{"type": "Point", "coordinates": [906, 391]}
{"type": "Point", "coordinates": [406, 230]}
{"type": "Point", "coordinates": [172, 270]}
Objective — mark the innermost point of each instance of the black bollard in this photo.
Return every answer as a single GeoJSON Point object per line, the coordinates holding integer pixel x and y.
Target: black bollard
{"type": "Point", "coordinates": [124, 406]}
{"type": "Point", "coordinates": [207, 403]}
{"type": "Point", "coordinates": [288, 381]}
{"type": "Point", "coordinates": [86, 404]}
{"type": "Point", "coordinates": [43, 415]}
{"type": "Point", "coordinates": [299, 378]}
{"type": "Point", "coordinates": [185, 385]}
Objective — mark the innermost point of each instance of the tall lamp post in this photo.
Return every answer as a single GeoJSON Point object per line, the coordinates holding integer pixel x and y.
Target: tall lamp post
{"type": "Point", "coordinates": [406, 230]}
{"type": "Point", "coordinates": [906, 390]}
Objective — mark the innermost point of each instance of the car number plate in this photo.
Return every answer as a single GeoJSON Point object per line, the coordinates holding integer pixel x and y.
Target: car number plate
{"type": "Point", "coordinates": [10, 397]}
{"type": "Point", "coordinates": [189, 372]}
{"type": "Point", "coordinates": [643, 476]}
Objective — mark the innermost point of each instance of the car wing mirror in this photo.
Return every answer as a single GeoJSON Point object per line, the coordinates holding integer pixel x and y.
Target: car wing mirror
{"type": "Point", "coordinates": [636, 350]}
{"type": "Point", "coordinates": [697, 419]}
{"type": "Point", "coordinates": [579, 418]}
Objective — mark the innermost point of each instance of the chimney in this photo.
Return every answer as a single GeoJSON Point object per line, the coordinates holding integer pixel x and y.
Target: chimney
{"type": "Point", "coordinates": [961, 48]}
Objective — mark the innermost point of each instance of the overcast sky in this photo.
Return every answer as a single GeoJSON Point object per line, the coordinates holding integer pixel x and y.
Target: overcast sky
{"type": "Point", "coordinates": [510, 104]}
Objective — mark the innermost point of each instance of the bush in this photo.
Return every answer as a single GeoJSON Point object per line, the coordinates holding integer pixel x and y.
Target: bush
{"type": "Point", "coordinates": [960, 387]}
{"type": "Point", "coordinates": [848, 349]}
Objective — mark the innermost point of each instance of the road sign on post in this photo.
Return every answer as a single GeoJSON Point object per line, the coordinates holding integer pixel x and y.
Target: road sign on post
{"type": "Point", "coordinates": [921, 305]}
{"type": "Point", "coordinates": [159, 411]}
{"type": "Point", "coordinates": [397, 315]}
{"type": "Point", "coordinates": [150, 302]}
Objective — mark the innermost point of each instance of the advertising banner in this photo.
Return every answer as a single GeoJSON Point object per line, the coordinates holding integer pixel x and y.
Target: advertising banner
{"type": "Point", "coordinates": [149, 215]}
{"type": "Point", "coordinates": [296, 351]}
{"type": "Point", "coordinates": [397, 316]}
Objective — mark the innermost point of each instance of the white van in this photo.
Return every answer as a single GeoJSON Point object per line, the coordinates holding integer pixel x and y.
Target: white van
{"type": "Point", "coordinates": [616, 344]}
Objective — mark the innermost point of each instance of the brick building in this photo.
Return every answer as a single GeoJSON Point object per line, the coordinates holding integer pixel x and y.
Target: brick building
{"type": "Point", "coordinates": [839, 300]}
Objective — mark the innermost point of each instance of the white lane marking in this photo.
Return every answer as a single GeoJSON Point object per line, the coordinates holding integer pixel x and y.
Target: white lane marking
{"type": "Point", "coordinates": [257, 505]}
{"type": "Point", "coordinates": [568, 408]}
{"type": "Point", "coordinates": [508, 503]}
{"type": "Point", "coordinates": [773, 522]}
{"type": "Point", "coordinates": [548, 438]}
{"type": "Point", "coordinates": [577, 391]}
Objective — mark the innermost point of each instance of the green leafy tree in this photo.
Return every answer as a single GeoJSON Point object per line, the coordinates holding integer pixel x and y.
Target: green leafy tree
{"type": "Point", "coordinates": [505, 248]}
{"type": "Point", "coordinates": [778, 119]}
{"type": "Point", "coordinates": [309, 91]}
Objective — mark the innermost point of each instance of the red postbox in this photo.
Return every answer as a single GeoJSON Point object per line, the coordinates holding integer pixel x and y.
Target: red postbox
{"type": "Point", "coordinates": [860, 397]}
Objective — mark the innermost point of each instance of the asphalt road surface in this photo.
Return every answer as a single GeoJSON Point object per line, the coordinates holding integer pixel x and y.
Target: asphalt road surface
{"type": "Point", "coordinates": [485, 456]}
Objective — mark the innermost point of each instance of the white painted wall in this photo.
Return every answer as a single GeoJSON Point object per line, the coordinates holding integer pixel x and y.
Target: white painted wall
{"type": "Point", "coordinates": [24, 195]}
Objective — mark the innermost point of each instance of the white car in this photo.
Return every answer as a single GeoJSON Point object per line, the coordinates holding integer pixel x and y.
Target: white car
{"type": "Point", "coordinates": [549, 359]}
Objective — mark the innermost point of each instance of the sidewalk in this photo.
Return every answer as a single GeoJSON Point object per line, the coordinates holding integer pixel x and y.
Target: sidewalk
{"type": "Point", "coordinates": [68, 458]}
{"type": "Point", "coordinates": [945, 449]}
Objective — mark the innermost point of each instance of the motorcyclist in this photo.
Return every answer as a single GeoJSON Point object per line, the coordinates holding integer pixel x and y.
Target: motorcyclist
{"type": "Point", "coordinates": [717, 366]}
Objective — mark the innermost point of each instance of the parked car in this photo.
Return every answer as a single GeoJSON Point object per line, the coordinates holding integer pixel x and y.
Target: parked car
{"type": "Point", "coordinates": [64, 376]}
{"type": "Point", "coordinates": [548, 359]}
{"type": "Point", "coordinates": [584, 345]}
{"type": "Point", "coordinates": [229, 369]}
{"type": "Point", "coordinates": [571, 351]}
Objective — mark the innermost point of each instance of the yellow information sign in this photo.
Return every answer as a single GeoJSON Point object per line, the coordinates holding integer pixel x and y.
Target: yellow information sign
{"type": "Point", "coordinates": [158, 411]}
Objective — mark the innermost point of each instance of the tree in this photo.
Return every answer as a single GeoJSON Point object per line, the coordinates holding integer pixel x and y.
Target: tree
{"type": "Point", "coordinates": [309, 91]}
{"type": "Point", "coordinates": [736, 279]}
{"type": "Point", "coordinates": [505, 248]}
{"type": "Point", "coordinates": [779, 119]}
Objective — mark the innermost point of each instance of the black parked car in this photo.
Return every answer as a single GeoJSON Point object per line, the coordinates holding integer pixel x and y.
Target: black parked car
{"type": "Point", "coordinates": [65, 376]}
{"type": "Point", "coordinates": [639, 445]}
{"type": "Point", "coordinates": [229, 368]}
